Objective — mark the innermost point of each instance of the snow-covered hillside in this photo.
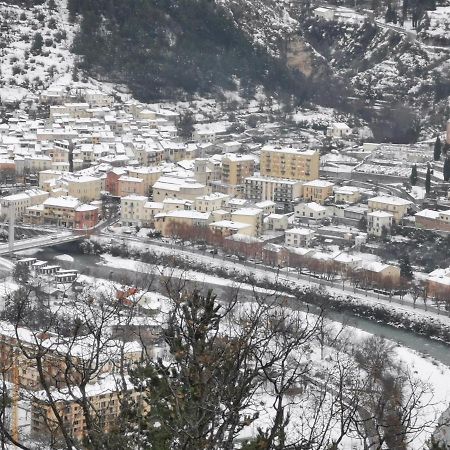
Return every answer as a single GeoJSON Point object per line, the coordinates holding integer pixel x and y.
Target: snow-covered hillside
{"type": "Point", "coordinates": [267, 22]}
{"type": "Point", "coordinates": [28, 63]}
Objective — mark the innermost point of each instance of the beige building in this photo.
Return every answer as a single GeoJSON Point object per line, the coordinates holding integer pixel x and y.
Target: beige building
{"type": "Point", "coordinates": [276, 222]}
{"type": "Point", "coordinates": [84, 188]}
{"type": "Point", "coordinates": [267, 206]}
{"type": "Point", "coordinates": [23, 200]}
{"type": "Point", "coordinates": [149, 176]}
{"type": "Point", "coordinates": [132, 210]}
{"type": "Point", "coordinates": [395, 205]}
{"type": "Point", "coordinates": [172, 187]}
{"type": "Point", "coordinates": [228, 228]}
{"type": "Point", "coordinates": [235, 168]}
{"type": "Point", "coordinates": [104, 398]}
{"type": "Point", "coordinates": [380, 272]}
{"type": "Point", "coordinates": [45, 176]}
{"type": "Point", "coordinates": [211, 202]}
{"type": "Point", "coordinates": [347, 194]}
{"type": "Point", "coordinates": [289, 163]}
{"type": "Point", "coordinates": [181, 223]}
{"type": "Point", "coordinates": [433, 220]}
{"type": "Point", "coordinates": [250, 216]}
{"type": "Point", "coordinates": [317, 190]}
{"type": "Point", "coordinates": [136, 210]}
{"type": "Point", "coordinates": [378, 221]}
{"type": "Point", "coordinates": [130, 185]}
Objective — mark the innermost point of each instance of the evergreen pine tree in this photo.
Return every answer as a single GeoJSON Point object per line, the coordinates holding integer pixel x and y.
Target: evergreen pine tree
{"type": "Point", "coordinates": [405, 268]}
{"type": "Point", "coordinates": [437, 149]}
{"type": "Point", "coordinates": [446, 170]}
{"type": "Point", "coordinates": [428, 181]}
{"type": "Point", "coordinates": [446, 148]}
{"type": "Point", "coordinates": [413, 176]}
{"type": "Point", "coordinates": [186, 125]}
{"type": "Point", "coordinates": [36, 46]}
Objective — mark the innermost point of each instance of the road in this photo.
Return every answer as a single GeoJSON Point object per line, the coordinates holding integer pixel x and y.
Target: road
{"type": "Point", "coordinates": [42, 241]}
{"type": "Point", "coordinates": [286, 275]}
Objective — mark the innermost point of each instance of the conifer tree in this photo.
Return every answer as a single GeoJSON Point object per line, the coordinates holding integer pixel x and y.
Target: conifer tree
{"type": "Point", "coordinates": [446, 170]}
{"type": "Point", "coordinates": [437, 149]}
{"type": "Point", "coordinates": [428, 181]}
{"type": "Point", "coordinates": [413, 176]}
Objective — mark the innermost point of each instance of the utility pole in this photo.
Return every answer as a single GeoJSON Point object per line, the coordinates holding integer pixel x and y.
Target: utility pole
{"type": "Point", "coordinates": [11, 211]}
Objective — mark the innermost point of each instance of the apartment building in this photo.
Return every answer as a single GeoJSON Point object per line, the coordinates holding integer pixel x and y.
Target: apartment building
{"type": "Point", "coordinates": [289, 163]}
{"type": "Point", "coordinates": [235, 168]}
{"type": "Point", "coordinates": [278, 190]}
{"type": "Point", "coordinates": [104, 398]}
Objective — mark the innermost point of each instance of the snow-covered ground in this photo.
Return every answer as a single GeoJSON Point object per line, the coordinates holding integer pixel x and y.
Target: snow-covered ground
{"type": "Point", "coordinates": [424, 368]}
{"type": "Point", "coordinates": [291, 279]}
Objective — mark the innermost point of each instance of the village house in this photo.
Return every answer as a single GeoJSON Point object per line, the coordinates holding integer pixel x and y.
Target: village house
{"type": "Point", "coordinates": [181, 223]}
{"type": "Point", "coordinates": [130, 185]}
{"type": "Point", "coordinates": [317, 191]}
{"type": "Point", "coordinates": [21, 201]}
{"type": "Point", "coordinates": [85, 188]}
{"type": "Point", "coordinates": [312, 211]}
{"type": "Point", "coordinates": [66, 212]}
{"type": "Point", "coordinates": [397, 206]}
{"type": "Point", "coordinates": [250, 216]}
{"type": "Point", "coordinates": [211, 202]}
{"type": "Point", "coordinates": [299, 237]}
{"type": "Point", "coordinates": [380, 273]}
{"type": "Point", "coordinates": [379, 222]}
{"type": "Point", "coordinates": [276, 222]}
{"type": "Point", "coordinates": [227, 228]}
{"type": "Point", "coordinates": [338, 130]}
{"type": "Point", "coordinates": [347, 194]}
{"type": "Point", "coordinates": [185, 188]}
{"type": "Point", "coordinates": [433, 220]}
{"type": "Point", "coordinates": [149, 176]}
{"type": "Point", "coordinates": [438, 284]}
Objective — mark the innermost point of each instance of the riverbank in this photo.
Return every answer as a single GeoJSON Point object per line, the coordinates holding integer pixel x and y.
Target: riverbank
{"type": "Point", "coordinates": [421, 322]}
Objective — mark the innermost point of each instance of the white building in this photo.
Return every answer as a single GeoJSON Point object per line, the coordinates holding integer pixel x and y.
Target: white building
{"type": "Point", "coordinates": [338, 130]}
{"type": "Point", "coordinates": [311, 210]}
{"type": "Point", "coordinates": [377, 221]}
{"type": "Point", "coordinates": [299, 237]}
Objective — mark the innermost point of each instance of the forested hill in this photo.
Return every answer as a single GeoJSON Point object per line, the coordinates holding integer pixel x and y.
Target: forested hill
{"type": "Point", "coordinates": [166, 48]}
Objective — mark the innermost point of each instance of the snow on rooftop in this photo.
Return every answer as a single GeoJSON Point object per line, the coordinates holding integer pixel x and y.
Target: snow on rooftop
{"type": "Point", "coordinates": [429, 214]}
{"type": "Point", "coordinates": [390, 200]}
{"type": "Point", "coordinates": [230, 224]}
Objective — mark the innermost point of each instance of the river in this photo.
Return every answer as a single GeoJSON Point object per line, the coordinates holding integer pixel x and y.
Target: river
{"type": "Point", "coordinates": [89, 265]}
